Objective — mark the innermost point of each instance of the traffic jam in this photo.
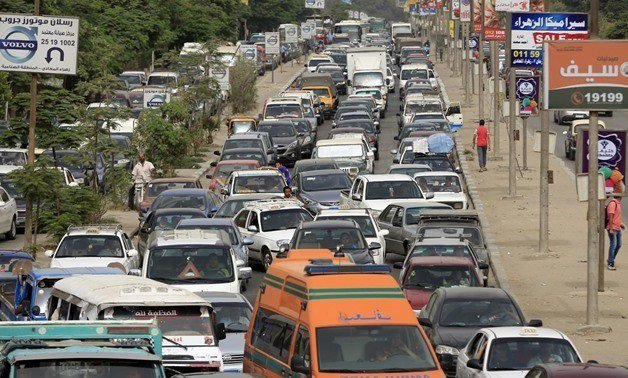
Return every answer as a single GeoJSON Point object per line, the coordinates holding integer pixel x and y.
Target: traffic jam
{"type": "Point", "coordinates": [333, 236]}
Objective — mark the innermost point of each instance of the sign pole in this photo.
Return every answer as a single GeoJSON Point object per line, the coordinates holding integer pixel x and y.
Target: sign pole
{"type": "Point", "coordinates": [512, 178]}
{"type": "Point", "coordinates": [524, 147]}
{"type": "Point", "coordinates": [593, 222]}
{"type": "Point", "coordinates": [28, 222]}
{"type": "Point", "coordinates": [544, 184]}
{"type": "Point", "coordinates": [465, 62]}
{"type": "Point", "coordinates": [481, 67]}
{"type": "Point", "coordinates": [495, 71]}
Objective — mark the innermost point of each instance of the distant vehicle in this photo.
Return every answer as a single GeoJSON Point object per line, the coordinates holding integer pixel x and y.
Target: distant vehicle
{"type": "Point", "coordinates": [577, 370]}
{"type": "Point", "coordinates": [8, 215]}
{"type": "Point", "coordinates": [245, 154]}
{"type": "Point", "coordinates": [571, 139]}
{"type": "Point", "coordinates": [408, 169]}
{"type": "Point", "coordinates": [313, 165]}
{"type": "Point", "coordinates": [446, 187]}
{"type": "Point", "coordinates": [134, 78]}
{"type": "Point", "coordinates": [204, 200]}
{"type": "Point", "coordinates": [222, 171]}
{"type": "Point", "coordinates": [233, 205]}
{"type": "Point", "coordinates": [163, 220]}
{"type": "Point", "coordinates": [156, 186]}
{"type": "Point", "coordinates": [563, 117]}
{"type": "Point", "coordinates": [269, 181]}
{"type": "Point", "coordinates": [13, 157]}
{"type": "Point", "coordinates": [320, 189]}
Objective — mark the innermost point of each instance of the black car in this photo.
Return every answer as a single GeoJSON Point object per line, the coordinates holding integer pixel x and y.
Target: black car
{"type": "Point", "coordinates": [304, 126]}
{"type": "Point", "coordinates": [163, 220]}
{"type": "Point", "coordinates": [337, 75]}
{"type": "Point", "coordinates": [334, 235]}
{"type": "Point", "coordinates": [287, 141]}
{"type": "Point", "coordinates": [313, 165]}
{"type": "Point", "coordinates": [453, 315]}
{"type": "Point", "coordinates": [353, 109]}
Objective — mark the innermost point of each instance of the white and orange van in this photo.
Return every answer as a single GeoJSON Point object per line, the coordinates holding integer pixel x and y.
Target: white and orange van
{"type": "Point", "coordinates": [319, 315]}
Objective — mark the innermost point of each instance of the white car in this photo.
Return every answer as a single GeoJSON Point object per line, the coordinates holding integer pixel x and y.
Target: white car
{"type": "Point", "coordinates": [353, 155]}
{"type": "Point", "coordinates": [391, 77]}
{"type": "Point", "coordinates": [8, 215]}
{"type": "Point", "coordinates": [270, 224]}
{"type": "Point", "coordinates": [95, 246]}
{"type": "Point", "coordinates": [368, 225]}
{"type": "Point", "coordinates": [13, 157]}
{"type": "Point", "coordinates": [446, 187]}
{"type": "Point", "coordinates": [267, 181]}
{"type": "Point", "coordinates": [317, 59]}
{"type": "Point", "coordinates": [511, 352]}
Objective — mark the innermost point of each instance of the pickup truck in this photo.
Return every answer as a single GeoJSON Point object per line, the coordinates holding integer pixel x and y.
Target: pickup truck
{"type": "Point", "coordinates": [375, 192]}
{"type": "Point", "coordinates": [80, 349]}
{"type": "Point", "coordinates": [25, 297]}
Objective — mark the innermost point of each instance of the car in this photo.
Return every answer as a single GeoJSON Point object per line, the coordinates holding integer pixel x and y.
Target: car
{"type": "Point", "coordinates": [404, 144]}
{"type": "Point", "coordinates": [80, 165]}
{"type": "Point", "coordinates": [222, 170]}
{"type": "Point", "coordinates": [381, 102]}
{"type": "Point", "coordinates": [438, 162]}
{"type": "Point", "coordinates": [571, 138]}
{"type": "Point", "coordinates": [426, 274]}
{"type": "Point", "coordinates": [408, 169]}
{"type": "Point", "coordinates": [352, 155]}
{"type": "Point", "coordinates": [366, 100]}
{"type": "Point", "coordinates": [317, 59]}
{"type": "Point", "coordinates": [13, 157]}
{"type": "Point", "coordinates": [577, 370]}
{"type": "Point", "coordinates": [513, 351]}
{"type": "Point", "coordinates": [360, 111]}
{"type": "Point", "coordinates": [157, 186]}
{"type": "Point", "coordinates": [563, 117]}
{"type": "Point", "coordinates": [8, 215]}
{"type": "Point", "coordinates": [233, 205]}
{"type": "Point", "coordinates": [270, 224]}
{"type": "Point", "coordinates": [239, 244]}
{"type": "Point", "coordinates": [454, 315]}
{"type": "Point", "coordinates": [8, 258]}
{"type": "Point", "coordinates": [287, 142]}
{"type": "Point", "coordinates": [122, 157]}
{"type": "Point", "coordinates": [305, 127]}
{"type": "Point", "coordinates": [234, 311]}
{"type": "Point", "coordinates": [134, 78]}
{"type": "Point", "coordinates": [204, 200]}
{"type": "Point", "coordinates": [250, 140]}
{"type": "Point", "coordinates": [244, 154]}
{"type": "Point", "coordinates": [320, 189]}
{"type": "Point", "coordinates": [94, 246]}
{"type": "Point", "coordinates": [313, 165]}
{"type": "Point", "coordinates": [162, 220]}
{"type": "Point", "coordinates": [365, 220]}
{"type": "Point", "coordinates": [268, 181]}
{"type": "Point", "coordinates": [335, 235]}
{"type": "Point", "coordinates": [446, 187]}
{"type": "Point", "coordinates": [401, 220]}
{"type": "Point", "coordinates": [372, 132]}
{"type": "Point", "coordinates": [337, 76]}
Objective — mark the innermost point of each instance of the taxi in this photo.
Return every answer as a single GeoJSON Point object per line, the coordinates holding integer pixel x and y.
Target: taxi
{"type": "Point", "coordinates": [240, 124]}
{"type": "Point", "coordinates": [513, 351]}
{"type": "Point", "coordinates": [319, 315]}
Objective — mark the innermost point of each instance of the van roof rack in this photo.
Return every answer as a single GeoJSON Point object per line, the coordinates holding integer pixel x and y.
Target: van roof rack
{"type": "Point", "coordinates": [320, 270]}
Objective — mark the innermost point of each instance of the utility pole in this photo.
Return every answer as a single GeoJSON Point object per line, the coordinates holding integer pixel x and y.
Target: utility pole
{"type": "Point", "coordinates": [28, 222]}
{"type": "Point", "coordinates": [593, 221]}
{"type": "Point", "coordinates": [543, 173]}
{"type": "Point", "coordinates": [465, 62]}
{"type": "Point", "coordinates": [512, 118]}
{"type": "Point", "coordinates": [481, 67]}
{"type": "Point", "coordinates": [496, 115]}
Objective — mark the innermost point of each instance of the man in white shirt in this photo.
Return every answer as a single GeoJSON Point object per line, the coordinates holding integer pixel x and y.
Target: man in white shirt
{"type": "Point", "coordinates": [143, 169]}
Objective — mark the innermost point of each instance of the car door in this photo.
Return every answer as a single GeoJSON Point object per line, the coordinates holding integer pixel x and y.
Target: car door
{"type": "Point", "coordinates": [397, 231]}
{"type": "Point", "coordinates": [385, 222]}
{"type": "Point", "coordinates": [6, 211]}
{"type": "Point", "coordinates": [241, 220]}
{"type": "Point", "coordinates": [465, 355]}
{"type": "Point", "coordinates": [128, 245]}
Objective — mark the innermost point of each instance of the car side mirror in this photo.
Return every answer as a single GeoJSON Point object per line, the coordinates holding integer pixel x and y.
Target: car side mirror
{"type": "Point", "coordinates": [384, 232]}
{"type": "Point", "coordinates": [565, 132]}
{"type": "Point", "coordinates": [224, 191]}
{"type": "Point", "coordinates": [396, 137]}
{"type": "Point", "coordinates": [209, 176]}
{"type": "Point", "coordinates": [393, 152]}
{"type": "Point", "coordinates": [458, 170]}
{"type": "Point", "coordinates": [535, 323]}
{"type": "Point", "coordinates": [356, 197]}
{"type": "Point", "coordinates": [244, 273]}
{"type": "Point", "coordinates": [374, 246]}
{"type": "Point", "coordinates": [294, 189]}
{"type": "Point", "coordinates": [398, 265]}
{"type": "Point", "coordinates": [425, 322]}
{"type": "Point", "coordinates": [400, 109]}
{"type": "Point", "coordinates": [482, 265]}
{"type": "Point", "coordinates": [49, 253]}
{"type": "Point", "coordinates": [429, 195]}
{"type": "Point", "coordinates": [2, 203]}
{"type": "Point", "coordinates": [399, 114]}
{"type": "Point", "coordinates": [220, 331]}
{"type": "Point", "coordinates": [474, 364]}
{"type": "Point", "coordinates": [298, 365]}
{"type": "Point", "coordinates": [247, 241]}
{"type": "Point", "coordinates": [213, 164]}
{"type": "Point", "coordinates": [396, 161]}
{"type": "Point", "coordinates": [252, 228]}
{"type": "Point", "coordinates": [217, 153]}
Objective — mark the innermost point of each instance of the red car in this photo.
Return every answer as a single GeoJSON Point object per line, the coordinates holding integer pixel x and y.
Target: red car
{"type": "Point", "coordinates": [574, 370]}
{"type": "Point", "coordinates": [223, 169]}
{"type": "Point", "coordinates": [426, 274]}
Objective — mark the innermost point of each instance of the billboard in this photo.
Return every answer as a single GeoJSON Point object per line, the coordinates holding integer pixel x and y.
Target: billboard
{"type": "Point", "coordinates": [512, 5]}
{"type": "Point", "coordinates": [611, 147]}
{"type": "Point", "coordinates": [315, 4]}
{"type": "Point", "coordinates": [494, 22]}
{"type": "Point", "coordinates": [589, 75]}
{"type": "Point", "coordinates": [292, 34]}
{"type": "Point", "coordinates": [308, 29]}
{"type": "Point", "coordinates": [527, 94]}
{"type": "Point", "coordinates": [530, 30]}
{"type": "Point", "coordinates": [155, 97]}
{"type": "Point", "coordinates": [455, 9]}
{"type": "Point", "coordinates": [38, 44]}
{"type": "Point", "coordinates": [249, 52]}
{"type": "Point", "coordinates": [271, 40]}
{"type": "Point", "coordinates": [465, 10]}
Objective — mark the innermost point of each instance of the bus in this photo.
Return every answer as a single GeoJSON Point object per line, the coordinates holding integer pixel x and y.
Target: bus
{"type": "Point", "coordinates": [352, 28]}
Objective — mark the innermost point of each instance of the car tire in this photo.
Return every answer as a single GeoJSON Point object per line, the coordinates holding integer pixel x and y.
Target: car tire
{"type": "Point", "coordinates": [572, 155]}
{"type": "Point", "coordinates": [267, 259]}
{"type": "Point", "coordinates": [382, 114]}
{"type": "Point", "coordinates": [10, 235]}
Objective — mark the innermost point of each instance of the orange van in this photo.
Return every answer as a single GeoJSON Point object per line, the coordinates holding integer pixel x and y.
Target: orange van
{"type": "Point", "coordinates": [319, 315]}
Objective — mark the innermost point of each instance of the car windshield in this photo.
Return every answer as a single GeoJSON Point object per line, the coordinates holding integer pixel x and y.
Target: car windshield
{"type": "Point", "coordinates": [283, 219]}
{"type": "Point", "coordinates": [11, 187]}
{"type": "Point", "coordinates": [192, 201]}
{"type": "Point", "coordinates": [523, 353]}
{"type": "Point", "coordinates": [368, 79]}
{"type": "Point", "coordinates": [376, 94]}
{"type": "Point", "coordinates": [372, 349]}
{"type": "Point", "coordinates": [352, 116]}
{"type": "Point", "coordinates": [243, 143]}
{"type": "Point", "coordinates": [230, 208]}
{"type": "Point", "coordinates": [283, 110]}
{"type": "Point", "coordinates": [472, 234]}
{"type": "Point", "coordinates": [242, 126]}
{"type": "Point", "coordinates": [392, 189]}
{"type": "Point", "coordinates": [411, 50]}
{"type": "Point", "coordinates": [334, 181]}
{"type": "Point", "coordinates": [320, 92]}
{"type": "Point", "coordinates": [324, 238]}
{"type": "Point", "coordinates": [408, 171]}
{"type": "Point", "coordinates": [439, 163]}
{"type": "Point", "coordinates": [364, 222]}
{"type": "Point", "coordinates": [230, 230]}
{"type": "Point", "coordinates": [340, 151]}
{"type": "Point", "coordinates": [423, 107]}
{"type": "Point", "coordinates": [424, 250]}
{"type": "Point", "coordinates": [161, 80]}
{"type": "Point", "coordinates": [278, 131]}
{"type": "Point", "coordinates": [440, 184]}
{"type": "Point", "coordinates": [224, 170]}
{"type": "Point", "coordinates": [87, 367]}
{"type": "Point", "coordinates": [340, 59]}
{"type": "Point", "coordinates": [479, 313]}
{"type": "Point", "coordinates": [234, 315]}
{"type": "Point", "coordinates": [258, 184]}
{"type": "Point", "coordinates": [316, 62]}
{"type": "Point", "coordinates": [367, 126]}
{"type": "Point", "coordinates": [170, 221]}
{"type": "Point", "coordinates": [414, 74]}
{"type": "Point", "coordinates": [433, 277]}
{"type": "Point", "coordinates": [12, 158]}
{"type": "Point", "coordinates": [155, 188]}
{"type": "Point", "coordinates": [413, 213]}
{"type": "Point", "coordinates": [190, 265]}
{"type": "Point", "coordinates": [90, 246]}
{"type": "Point", "coordinates": [131, 79]}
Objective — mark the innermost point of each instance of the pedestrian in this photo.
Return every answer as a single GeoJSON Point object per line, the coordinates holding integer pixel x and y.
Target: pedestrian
{"type": "Point", "coordinates": [481, 140]}
{"type": "Point", "coordinates": [614, 225]}
{"type": "Point", "coordinates": [142, 174]}
{"type": "Point", "coordinates": [284, 171]}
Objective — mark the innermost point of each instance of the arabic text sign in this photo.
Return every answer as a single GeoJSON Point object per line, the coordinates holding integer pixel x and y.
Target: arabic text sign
{"type": "Point", "coordinates": [155, 97]}
{"type": "Point", "coordinates": [292, 34]}
{"type": "Point", "coordinates": [591, 75]}
{"type": "Point", "coordinates": [38, 44]}
{"type": "Point", "coordinates": [530, 30]}
{"type": "Point", "coordinates": [611, 150]}
{"type": "Point", "coordinates": [465, 10]}
{"type": "Point", "coordinates": [315, 4]}
{"type": "Point", "coordinates": [512, 5]}
{"type": "Point", "coordinates": [527, 94]}
{"type": "Point", "coordinates": [271, 40]}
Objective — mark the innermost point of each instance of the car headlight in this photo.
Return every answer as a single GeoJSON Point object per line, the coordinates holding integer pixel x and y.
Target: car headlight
{"type": "Point", "coordinates": [458, 205]}
{"type": "Point", "coordinates": [282, 242]}
{"type": "Point", "coordinates": [307, 139]}
{"type": "Point", "coordinates": [292, 145]}
{"type": "Point", "coordinates": [445, 349]}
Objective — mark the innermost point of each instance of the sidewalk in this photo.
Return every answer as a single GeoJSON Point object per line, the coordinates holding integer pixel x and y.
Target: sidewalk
{"type": "Point", "coordinates": [549, 287]}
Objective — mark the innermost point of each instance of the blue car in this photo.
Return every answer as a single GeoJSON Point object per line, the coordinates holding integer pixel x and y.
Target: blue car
{"type": "Point", "coordinates": [202, 199]}
{"type": "Point", "coordinates": [9, 257]}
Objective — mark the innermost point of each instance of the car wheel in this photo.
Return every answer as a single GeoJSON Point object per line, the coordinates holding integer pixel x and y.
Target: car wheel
{"type": "Point", "coordinates": [10, 235]}
{"type": "Point", "coordinates": [566, 150]}
{"type": "Point", "coordinates": [572, 155]}
{"type": "Point", "coordinates": [383, 114]}
{"type": "Point", "coordinates": [267, 258]}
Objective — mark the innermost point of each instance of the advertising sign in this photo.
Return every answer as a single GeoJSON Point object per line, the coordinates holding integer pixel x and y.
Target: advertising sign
{"type": "Point", "coordinates": [315, 4]}
{"type": "Point", "coordinates": [220, 74]}
{"type": "Point", "coordinates": [38, 44]}
{"type": "Point", "coordinates": [590, 75]}
{"type": "Point", "coordinates": [431, 6]}
{"type": "Point", "coordinates": [473, 43]}
{"type": "Point", "coordinates": [307, 31]}
{"type": "Point", "coordinates": [465, 10]}
{"type": "Point", "coordinates": [512, 5]}
{"type": "Point", "coordinates": [494, 22]}
{"type": "Point", "coordinates": [611, 152]}
{"type": "Point", "coordinates": [527, 94]}
{"type": "Point", "coordinates": [292, 34]}
{"type": "Point", "coordinates": [271, 40]}
{"type": "Point", "coordinates": [249, 52]}
{"type": "Point", "coordinates": [155, 97]}
{"type": "Point", "coordinates": [530, 30]}
{"type": "Point", "coordinates": [477, 16]}
{"type": "Point", "coordinates": [455, 9]}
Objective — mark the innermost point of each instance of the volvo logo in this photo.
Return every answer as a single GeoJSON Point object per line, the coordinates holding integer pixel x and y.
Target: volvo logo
{"type": "Point", "coordinates": [226, 357]}
{"type": "Point", "coordinates": [19, 45]}
{"type": "Point", "coordinates": [219, 73]}
{"type": "Point", "coordinates": [249, 54]}
{"type": "Point", "coordinates": [156, 101]}
{"type": "Point", "coordinates": [291, 31]}
{"type": "Point", "coordinates": [272, 40]}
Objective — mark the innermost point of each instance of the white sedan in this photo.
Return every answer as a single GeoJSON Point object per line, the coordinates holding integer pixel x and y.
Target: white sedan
{"type": "Point", "coordinates": [8, 215]}
{"type": "Point", "coordinates": [511, 352]}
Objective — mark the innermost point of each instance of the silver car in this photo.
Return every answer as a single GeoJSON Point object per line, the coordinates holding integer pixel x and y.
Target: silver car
{"type": "Point", "coordinates": [239, 243]}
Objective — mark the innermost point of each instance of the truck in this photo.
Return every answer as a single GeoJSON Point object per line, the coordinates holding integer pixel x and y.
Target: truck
{"type": "Point", "coordinates": [81, 349]}
{"type": "Point", "coordinates": [366, 68]}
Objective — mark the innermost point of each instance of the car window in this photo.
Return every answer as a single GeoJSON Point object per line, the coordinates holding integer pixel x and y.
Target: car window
{"type": "Point", "coordinates": [388, 214]}
{"type": "Point", "coordinates": [90, 246]}
{"type": "Point", "coordinates": [5, 196]}
{"type": "Point", "coordinates": [473, 345]}
{"type": "Point", "coordinates": [272, 334]}
{"type": "Point", "coordinates": [478, 353]}
{"type": "Point", "coordinates": [240, 220]}
{"type": "Point", "coordinates": [302, 345]}
{"type": "Point", "coordinates": [398, 218]}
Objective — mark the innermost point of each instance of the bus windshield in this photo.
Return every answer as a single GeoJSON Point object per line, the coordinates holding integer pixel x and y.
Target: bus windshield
{"type": "Point", "coordinates": [172, 320]}
{"type": "Point", "coordinates": [78, 368]}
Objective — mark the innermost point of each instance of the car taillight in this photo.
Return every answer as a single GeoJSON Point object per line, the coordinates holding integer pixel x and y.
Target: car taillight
{"type": "Point", "coordinates": [372, 140]}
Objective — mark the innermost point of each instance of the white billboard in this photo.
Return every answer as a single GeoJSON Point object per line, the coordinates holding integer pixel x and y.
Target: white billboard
{"type": "Point", "coordinates": [271, 39]}
{"type": "Point", "coordinates": [155, 97]}
{"type": "Point", "coordinates": [315, 4]}
{"type": "Point", "coordinates": [292, 34]}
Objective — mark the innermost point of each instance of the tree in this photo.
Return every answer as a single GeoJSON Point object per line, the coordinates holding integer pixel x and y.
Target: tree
{"type": "Point", "coordinates": [242, 79]}
{"type": "Point", "coordinates": [267, 15]}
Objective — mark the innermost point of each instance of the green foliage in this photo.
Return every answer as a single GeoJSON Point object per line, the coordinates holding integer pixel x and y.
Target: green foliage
{"type": "Point", "coordinates": [119, 181]}
{"type": "Point", "coordinates": [242, 79]}
{"type": "Point", "coordinates": [385, 8]}
{"type": "Point", "coordinates": [267, 15]}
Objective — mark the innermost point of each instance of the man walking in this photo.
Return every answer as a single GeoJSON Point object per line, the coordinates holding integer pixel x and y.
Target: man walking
{"type": "Point", "coordinates": [482, 140]}
{"type": "Point", "coordinates": [614, 226]}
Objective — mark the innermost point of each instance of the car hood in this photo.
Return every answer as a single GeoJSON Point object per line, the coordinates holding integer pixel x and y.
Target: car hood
{"type": "Point", "coordinates": [506, 374]}
{"type": "Point", "coordinates": [323, 195]}
{"type": "Point", "coordinates": [360, 256]}
{"type": "Point", "coordinates": [81, 262]}
{"type": "Point", "coordinates": [456, 337]}
{"type": "Point", "coordinates": [283, 141]}
{"type": "Point", "coordinates": [417, 297]}
{"type": "Point", "coordinates": [380, 204]}
{"type": "Point", "coordinates": [233, 344]}
{"type": "Point", "coordinates": [280, 234]}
